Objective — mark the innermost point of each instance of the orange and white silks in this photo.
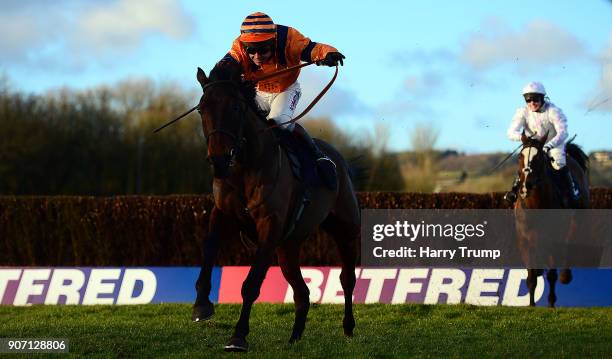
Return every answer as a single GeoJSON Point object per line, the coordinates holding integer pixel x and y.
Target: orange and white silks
{"type": "Point", "coordinates": [291, 48]}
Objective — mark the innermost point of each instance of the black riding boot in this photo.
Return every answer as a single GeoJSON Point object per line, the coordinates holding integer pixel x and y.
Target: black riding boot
{"type": "Point", "coordinates": [325, 166]}
{"type": "Point", "coordinates": [571, 190]}
{"type": "Point", "coordinates": [511, 196]}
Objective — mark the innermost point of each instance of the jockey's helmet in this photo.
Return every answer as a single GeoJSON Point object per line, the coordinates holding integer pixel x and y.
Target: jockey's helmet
{"type": "Point", "coordinates": [534, 87]}
{"type": "Point", "coordinates": [257, 27]}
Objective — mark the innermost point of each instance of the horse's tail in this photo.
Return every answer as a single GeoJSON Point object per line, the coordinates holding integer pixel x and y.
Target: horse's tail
{"type": "Point", "coordinates": [576, 152]}
{"type": "Point", "coordinates": [357, 170]}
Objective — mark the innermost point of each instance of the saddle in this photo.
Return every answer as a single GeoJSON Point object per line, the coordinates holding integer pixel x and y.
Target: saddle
{"type": "Point", "coordinates": [304, 168]}
{"type": "Point", "coordinates": [303, 164]}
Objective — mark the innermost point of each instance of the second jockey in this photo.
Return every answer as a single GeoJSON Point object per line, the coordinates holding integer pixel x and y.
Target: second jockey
{"type": "Point", "coordinates": [539, 118]}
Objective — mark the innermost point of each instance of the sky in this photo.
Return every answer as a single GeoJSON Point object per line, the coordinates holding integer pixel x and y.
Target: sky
{"type": "Point", "coordinates": [456, 66]}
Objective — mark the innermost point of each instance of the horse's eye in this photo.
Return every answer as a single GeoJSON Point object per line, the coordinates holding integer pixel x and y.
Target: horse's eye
{"type": "Point", "coordinates": [199, 109]}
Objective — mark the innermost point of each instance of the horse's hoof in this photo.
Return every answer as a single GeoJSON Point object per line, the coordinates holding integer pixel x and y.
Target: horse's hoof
{"type": "Point", "coordinates": [236, 345]}
{"type": "Point", "coordinates": [349, 325]}
{"type": "Point", "coordinates": [294, 338]}
{"type": "Point", "coordinates": [202, 312]}
{"type": "Point", "coordinates": [565, 277]}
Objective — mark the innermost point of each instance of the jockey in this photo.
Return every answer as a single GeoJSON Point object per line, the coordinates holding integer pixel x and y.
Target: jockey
{"type": "Point", "coordinates": [538, 118]}
{"type": "Point", "coordinates": [264, 47]}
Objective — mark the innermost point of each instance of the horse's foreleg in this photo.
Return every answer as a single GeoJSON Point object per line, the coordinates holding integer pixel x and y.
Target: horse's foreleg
{"type": "Point", "coordinates": [532, 282]}
{"type": "Point", "coordinates": [250, 291]}
{"type": "Point", "coordinates": [268, 232]}
{"type": "Point", "coordinates": [551, 276]}
{"type": "Point", "coordinates": [203, 308]}
{"type": "Point", "coordinates": [288, 259]}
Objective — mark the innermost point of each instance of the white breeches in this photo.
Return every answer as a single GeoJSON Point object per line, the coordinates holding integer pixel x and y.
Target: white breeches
{"type": "Point", "coordinates": [280, 106]}
{"type": "Point", "coordinates": [558, 156]}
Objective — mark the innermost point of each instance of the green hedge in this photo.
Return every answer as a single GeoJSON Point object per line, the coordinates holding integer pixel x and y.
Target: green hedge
{"type": "Point", "coordinates": [167, 230]}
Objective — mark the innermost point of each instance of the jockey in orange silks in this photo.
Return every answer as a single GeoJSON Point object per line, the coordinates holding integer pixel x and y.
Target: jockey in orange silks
{"type": "Point", "coordinates": [264, 47]}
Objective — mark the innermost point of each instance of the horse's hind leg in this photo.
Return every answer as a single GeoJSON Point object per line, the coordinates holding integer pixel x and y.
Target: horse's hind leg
{"type": "Point", "coordinates": [551, 276]}
{"type": "Point", "coordinates": [565, 277]}
{"type": "Point", "coordinates": [288, 259]}
{"type": "Point", "coordinates": [532, 282]}
{"type": "Point", "coordinates": [346, 236]}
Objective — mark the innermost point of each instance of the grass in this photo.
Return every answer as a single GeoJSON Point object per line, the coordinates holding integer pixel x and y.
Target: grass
{"type": "Point", "coordinates": [383, 331]}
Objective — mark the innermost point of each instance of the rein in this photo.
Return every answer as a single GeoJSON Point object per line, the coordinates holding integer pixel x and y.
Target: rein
{"type": "Point", "coordinates": [280, 72]}
{"type": "Point", "coordinates": [314, 102]}
{"type": "Point", "coordinates": [505, 159]}
{"type": "Point", "coordinates": [176, 119]}
{"type": "Point", "coordinates": [193, 108]}
{"type": "Point", "coordinates": [510, 155]}
{"type": "Point", "coordinates": [261, 78]}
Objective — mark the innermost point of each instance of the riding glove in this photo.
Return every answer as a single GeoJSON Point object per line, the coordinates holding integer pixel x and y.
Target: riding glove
{"type": "Point", "coordinates": [546, 148]}
{"type": "Point", "coordinates": [331, 59]}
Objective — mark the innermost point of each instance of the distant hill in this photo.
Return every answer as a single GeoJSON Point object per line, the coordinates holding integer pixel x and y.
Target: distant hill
{"type": "Point", "coordinates": [451, 171]}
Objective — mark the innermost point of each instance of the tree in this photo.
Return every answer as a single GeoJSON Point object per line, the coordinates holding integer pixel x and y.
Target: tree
{"type": "Point", "coordinates": [421, 177]}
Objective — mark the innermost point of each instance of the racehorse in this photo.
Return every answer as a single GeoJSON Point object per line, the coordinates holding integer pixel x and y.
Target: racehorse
{"type": "Point", "coordinates": [255, 192]}
{"type": "Point", "coordinates": [540, 190]}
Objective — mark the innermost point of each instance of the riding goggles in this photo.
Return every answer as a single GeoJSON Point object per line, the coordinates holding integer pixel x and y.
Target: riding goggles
{"type": "Point", "coordinates": [258, 50]}
{"type": "Point", "coordinates": [536, 99]}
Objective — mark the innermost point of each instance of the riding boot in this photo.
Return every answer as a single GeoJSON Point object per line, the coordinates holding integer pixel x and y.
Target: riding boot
{"type": "Point", "coordinates": [571, 190]}
{"type": "Point", "coordinates": [511, 196]}
{"type": "Point", "coordinates": [325, 166]}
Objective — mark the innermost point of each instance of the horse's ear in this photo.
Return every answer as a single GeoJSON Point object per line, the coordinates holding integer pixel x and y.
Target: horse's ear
{"type": "Point", "coordinates": [202, 79]}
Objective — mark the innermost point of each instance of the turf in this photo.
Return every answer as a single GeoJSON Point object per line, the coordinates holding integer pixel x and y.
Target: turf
{"type": "Point", "coordinates": [382, 331]}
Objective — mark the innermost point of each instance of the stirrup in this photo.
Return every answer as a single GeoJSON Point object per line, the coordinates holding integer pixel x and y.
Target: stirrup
{"type": "Point", "coordinates": [327, 171]}
{"type": "Point", "coordinates": [510, 197]}
{"type": "Point", "coordinates": [572, 191]}
{"type": "Point", "coordinates": [575, 192]}
{"type": "Point", "coordinates": [326, 159]}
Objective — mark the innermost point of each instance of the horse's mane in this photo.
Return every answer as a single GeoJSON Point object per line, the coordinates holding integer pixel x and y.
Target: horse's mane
{"type": "Point", "coordinates": [578, 154]}
{"type": "Point", "coordinates": [227, 70]}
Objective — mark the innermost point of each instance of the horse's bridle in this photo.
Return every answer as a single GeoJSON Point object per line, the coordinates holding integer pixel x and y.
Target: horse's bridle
{"type": "Point", "coordinates": [237, 139]}
{"type": "Point", "coordinates": [239, 142]}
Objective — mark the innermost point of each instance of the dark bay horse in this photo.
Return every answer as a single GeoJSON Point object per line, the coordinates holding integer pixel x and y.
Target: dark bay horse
{"type": "Point", "coordinates": [539, 191]}
{"type": "Point", "coordinates": [256, 193]}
